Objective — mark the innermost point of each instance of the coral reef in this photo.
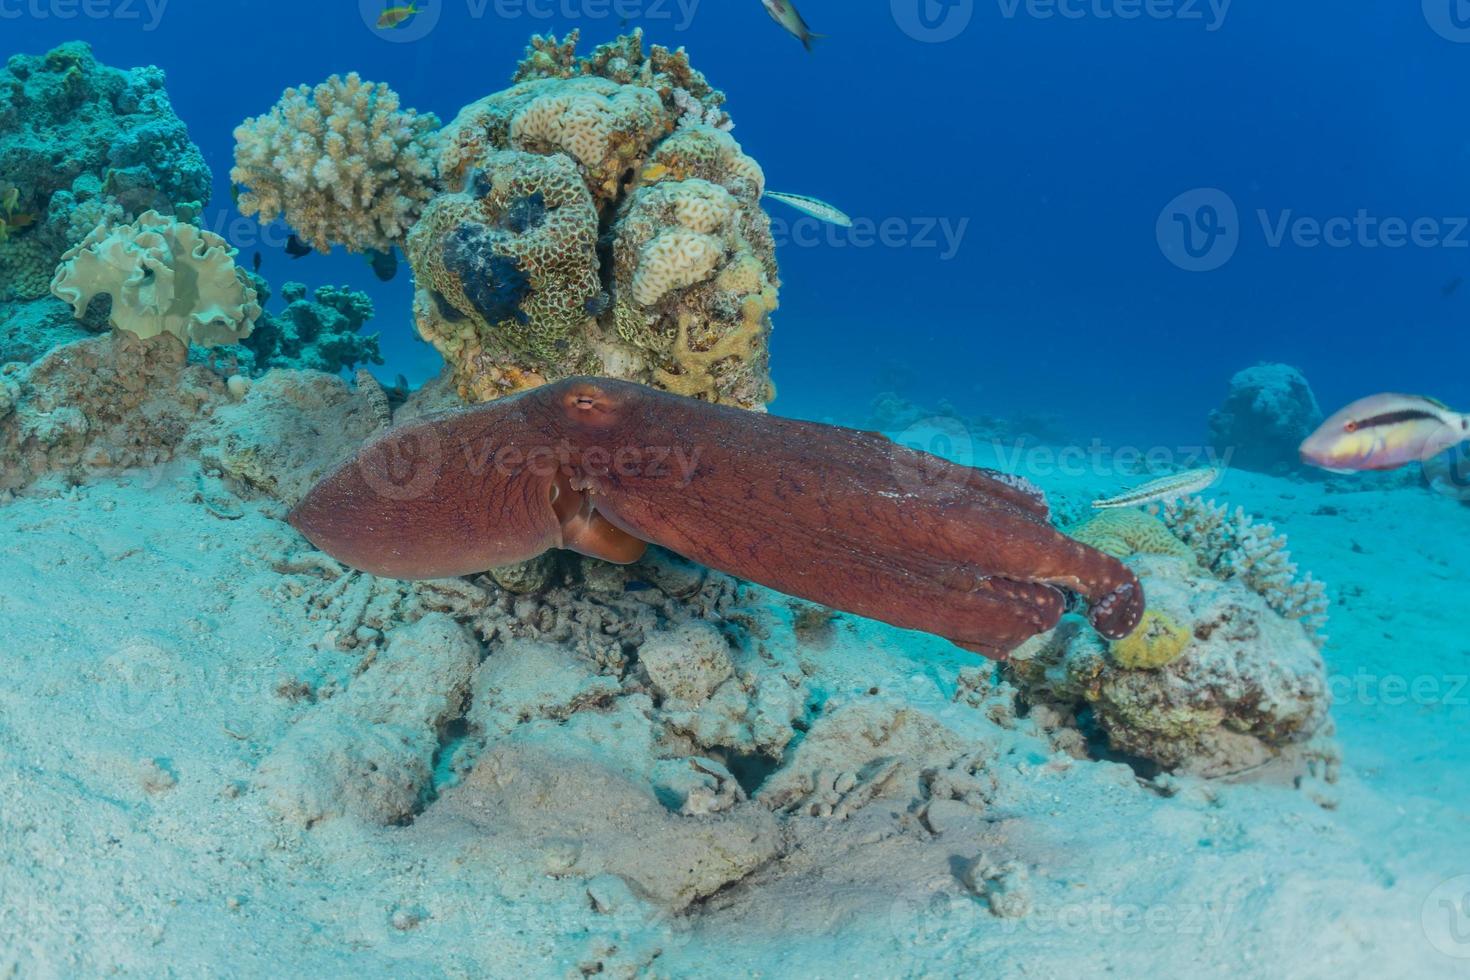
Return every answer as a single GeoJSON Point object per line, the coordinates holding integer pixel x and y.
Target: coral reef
{"type": "Point", "coordinates": [341, 162]}
{"type": "Point", "coordinates": [102, 404]}
{"type": "Point", "coordinates": [1247, 689]}
{"type": "Point", "coordinates": [598, 218]}
{"type": "Point", "coordinates": [322, 333]}
{"type": "Point", "coordinates": [29, 329]}
{"type": "Point", "coordinates": [82, 144]}
{"type": "Point", "coordinates": [1234, 546]}
{"type": "Point", "coordinates": [1269, 411]}
{"type": "Point", "coordinates": [164, 276]}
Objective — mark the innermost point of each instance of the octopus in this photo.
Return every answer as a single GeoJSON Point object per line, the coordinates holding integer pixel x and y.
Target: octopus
{"type": "Point", "coordinates": [837, 516]}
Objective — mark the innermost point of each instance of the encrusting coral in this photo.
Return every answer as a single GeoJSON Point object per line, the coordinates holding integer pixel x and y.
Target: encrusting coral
{"type": "Point", "coordinates": [164, 276]}
{"type": "Point", "coordinates": [82, 143]}
{"type": "Point", "coordinates": [598, 218]}
{"type": "Point", "coordinates": [341, 162]}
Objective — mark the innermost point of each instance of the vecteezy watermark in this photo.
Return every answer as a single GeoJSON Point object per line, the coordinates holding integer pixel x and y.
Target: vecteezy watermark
{"type": "Point", "coordinates": [1449, 472]}
{"type": "Point", "coordinates": [1200, 230]}
{"type": "Point", "coordinates": [932, 21]}
{"type": "Point", "coordinates": [1399, 690]}
{"type": "Point", "coordinates": [1450, 19]}
{"type": "Point", "coordinates": [1211, 13]}
{"type": "Point", "coordinates": [1445, 917]}
{"type": "Point", "coordinates": [1101, 459]}
{"type": "Point", "coordinates": [149, 13]}
{"type": "Point", "coordinates": [943, 236]}
{"type": "Point", "coordinates": [407, 465]}
{"type": "Point", "coordinates": [392, 21]}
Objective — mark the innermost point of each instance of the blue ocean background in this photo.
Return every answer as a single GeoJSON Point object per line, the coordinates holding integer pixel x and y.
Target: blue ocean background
{"type": "Point", "coordinates": [1053, 142]}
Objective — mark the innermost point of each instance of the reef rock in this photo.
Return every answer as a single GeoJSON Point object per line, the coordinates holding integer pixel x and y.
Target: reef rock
{"type": "Point", "coordinates": [598, 218]}
{"type": "Point", "coordinates": [82, 144]}
{"type": "Point", "coordinates": [1269, 411]}
{"type": "Point", "coordinates": [103, 404]}
{"type": "Point", "coordinates": [1216, 684]}
{"type": "Point", "coordinates": [29, 329]}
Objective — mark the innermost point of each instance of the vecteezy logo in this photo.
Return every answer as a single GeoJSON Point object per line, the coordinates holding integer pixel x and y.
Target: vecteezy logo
{"type": "Point", "coordinates": [1449, 472]}
{"type": "Point", "coordinates": [933, 21]}
{"type": "Point", "coordinates": [413, 27]}
{"type": "Point", "coordinates": [1199, 230]}
{"type": "Point", "coordinates": [1449, 18]}
{"type": "Point", "coordinates": [403, 465]}
{"type": "Point", "coordinates": [937, 442]}
{"type": "Point", "coordinates": [1446, 917]}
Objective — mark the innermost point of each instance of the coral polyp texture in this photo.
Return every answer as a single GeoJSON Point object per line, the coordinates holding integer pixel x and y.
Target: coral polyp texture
{"type": "Point", "coordinates": [80, 144]}
{"type": "Point", "coordinates": [164, 276]}
{"type": "Point", "coordinates": [341, 162]}
{"type": "Point", "coordinates": [598, 218]}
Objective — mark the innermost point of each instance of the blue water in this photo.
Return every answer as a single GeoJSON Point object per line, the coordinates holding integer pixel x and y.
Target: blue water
{"type": "Point", "coordinates": [1054, 142]}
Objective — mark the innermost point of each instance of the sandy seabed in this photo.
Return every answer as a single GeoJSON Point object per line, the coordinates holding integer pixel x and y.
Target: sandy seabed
{"type": "Point", "coordinates": [221, 755]}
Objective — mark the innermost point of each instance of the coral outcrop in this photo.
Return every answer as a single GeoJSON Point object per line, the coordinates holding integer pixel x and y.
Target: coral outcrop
{"type": "Point", "coordinates": [1223, 674]}
{"type": "Point", "coordinates": [99, 405]}
{"type": "Point", "coordinates": [1247, 688]}
{"type": "Point", "coordinates": [598, 217]}
{"type": "Point", "coordinates": [164, 276]}
{"type": "Point", "coordinates": [320, 333]}
{"type": "Point", "coordinates": [82, 144]}
{"type": "Point", "coordinates": [341, 162]}
{"type": "Point", "coordinates": [1269, 411]}
{"type": "Point", "coordinates": [29, 329]}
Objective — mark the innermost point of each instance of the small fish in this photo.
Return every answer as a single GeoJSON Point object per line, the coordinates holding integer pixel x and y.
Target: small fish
{"type": "Point", "coordinates": [235, 192]}
{"type": "Point", "coordinates": [1164, 489]}
{"type": "Point", "coordinates": [395, 16]}
{"type": "Point", "coordinates": [820, 210]}
{"type": "Point", "coordinates": [784, 13]}
{"type": "Point", "coordinates": [296, 248]}
{"type": "Point", "coordinates": [20, 220]}
{"type": "Point", "coordinates": [385, 264]}
{"type": "Point", "coordinates": [1384, 432]}
{"type": "Point", "coordinates": [255, 262]}
{"type": "Point", "coordinates": [653, 173]}
{"type": "Point", "coordinates": [1449, 288]}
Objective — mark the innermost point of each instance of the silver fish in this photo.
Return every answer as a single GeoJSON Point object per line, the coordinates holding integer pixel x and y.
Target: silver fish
{"type": "Point", "coordinates": [1165, 488]}
{"type": "Point", "coordinates": [784, 13]}
{"type": "Point", "coordinates": [820, 210]}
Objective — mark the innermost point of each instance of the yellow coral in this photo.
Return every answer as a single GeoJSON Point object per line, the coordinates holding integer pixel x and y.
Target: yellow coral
{"type": "Point", "coordinates": [1157, 641]}
{"type": "Point", "coordinates": [1124, 533]}
{"type": "Point", "coordinates": [164, 276]}
{"type": "Point", "coordinates": [341, 161]}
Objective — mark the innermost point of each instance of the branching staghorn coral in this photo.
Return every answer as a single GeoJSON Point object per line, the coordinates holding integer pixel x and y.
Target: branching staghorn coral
{"type": "Point", "coordinates": [341, 161]}
{"type": "Point", "coordinates": [1234, 546]}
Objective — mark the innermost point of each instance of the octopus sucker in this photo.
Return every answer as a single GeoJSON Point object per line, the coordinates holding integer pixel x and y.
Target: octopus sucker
{"type": "Point", "coordinates": [828, 514]}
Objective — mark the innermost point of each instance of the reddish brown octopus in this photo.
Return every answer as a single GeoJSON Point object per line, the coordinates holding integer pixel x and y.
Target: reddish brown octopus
{"type": "Point", "coordinates": [841, 517]}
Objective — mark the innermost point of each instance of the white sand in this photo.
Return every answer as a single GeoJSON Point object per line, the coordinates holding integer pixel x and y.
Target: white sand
{"type": "Point", "coordinates": [155, 662]}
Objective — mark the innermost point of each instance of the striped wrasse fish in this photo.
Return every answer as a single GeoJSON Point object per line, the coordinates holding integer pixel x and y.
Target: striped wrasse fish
{"type": "Point", "coordinates": [1384, 432]}
{"type": "Point", "coordinates": [820, 210]}
{"type": "Point", "coordinates": [1164, 489]}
